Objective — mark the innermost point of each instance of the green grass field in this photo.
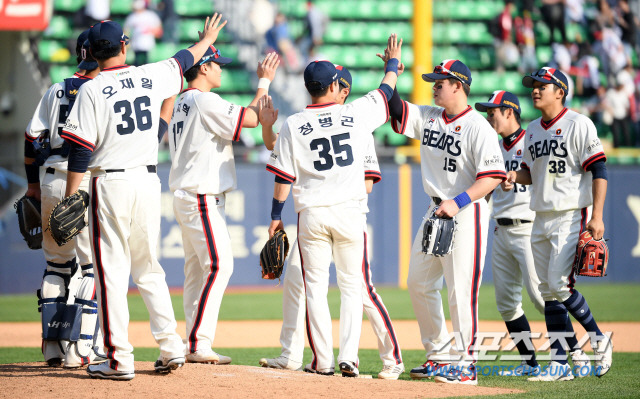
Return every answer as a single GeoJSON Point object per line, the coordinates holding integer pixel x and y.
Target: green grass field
{"type": "Point", "coordinates": [614, 302]}
{"type": "Point", "coordinates": [608, 302]}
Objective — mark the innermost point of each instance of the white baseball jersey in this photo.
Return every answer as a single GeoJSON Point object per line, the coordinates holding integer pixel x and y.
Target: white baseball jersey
{"type": "Point", "coordinates": [51, 114]}
{"type": "Point", "coordinates": [202, 130]}
{"type": "Point", "coordinates": [321, 150]}
{"type": "Point", "coordinates": [557, 154]}
{"type": "Point", "coordinates": [132, 100]}
{"type": "Point", "coordinates": [455, 152]}
{"type": "Point", "coordinates": [371, 167]}
{"type": "Point", "coordinates": [513, 204]}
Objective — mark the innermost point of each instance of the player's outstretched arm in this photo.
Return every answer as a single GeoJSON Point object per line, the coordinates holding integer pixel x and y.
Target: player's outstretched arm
{"type": "Point", "coordinates": [267, 116]}
{"type": "Point", "coordinates": [479, 189]}
{"type": "Point", "coordinates": [266, 73]}
{"type": "Point", "coordinates": [393, 54]}
{"type": "Point", "coordinates": [212, 27]}
{"type": "Point", "coordinates": [522, 176]}
{"type": "Point", "coordinates": [280, 194]}
{"type": "Point", "coordinates": [166, 111]}
{"type": "Point", "coordinates": [596, 224]}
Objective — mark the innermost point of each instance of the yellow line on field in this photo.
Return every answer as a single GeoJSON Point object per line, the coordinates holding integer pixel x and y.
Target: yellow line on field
{"type": "Point", "coordinates": [404, 223]}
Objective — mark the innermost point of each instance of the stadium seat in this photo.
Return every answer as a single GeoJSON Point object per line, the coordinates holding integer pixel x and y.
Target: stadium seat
{"type": "Point", "coordinates": [343, 32]}
{"type": "Point", "coordinates": [59, 28]}
{"type": "Point", "coordinates": [385, 135]}
{"type": "Point", "coordinates": [163, 51]}
{"type": "Point", "coordinates": [235, 81]}
{"type": "Point", "coordinates": [53, 51]}
{"type": "Point", "coordinates": [58, 73]}
{"type": "Point", "coordinates": [194, 8]}
{"type": "Point", "coordinates": [188, 30]}
{"type": "Point", "coordinates": [68, 5]}
{"type": "Point", "coordinates": [544, 54]}
{"type": "Point", "coordinates": [121, 7]}
{"type": "Point", "coordinates": [468, 10]}
{"type": "Point", "coordinates": [360, 56]}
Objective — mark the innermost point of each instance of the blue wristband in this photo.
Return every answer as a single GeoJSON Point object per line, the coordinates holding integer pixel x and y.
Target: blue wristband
{"type": "Point", "coordinates": [276, 209]}
{"type": "Point", "coordinates": [462, 200]}
{"type": "Point", "coordinates": [392, 65]}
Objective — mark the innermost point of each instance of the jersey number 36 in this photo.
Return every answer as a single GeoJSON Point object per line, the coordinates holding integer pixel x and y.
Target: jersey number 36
{"type": "Point", "coordinates": [142, 115]}
{"type": "Point", "coordinates": [343, 153]}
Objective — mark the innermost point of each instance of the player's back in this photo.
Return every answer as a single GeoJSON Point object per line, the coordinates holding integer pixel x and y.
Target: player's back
{"type": "Point", "coordinates": [126, 101]}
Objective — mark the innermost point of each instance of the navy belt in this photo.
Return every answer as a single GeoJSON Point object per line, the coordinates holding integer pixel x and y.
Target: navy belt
{"type": "Point", "coordinates": [150, 169]}
{"type": "Point", "coordinates": [436, 200]}
{"type": "Point", "coordinates": [511, 222]}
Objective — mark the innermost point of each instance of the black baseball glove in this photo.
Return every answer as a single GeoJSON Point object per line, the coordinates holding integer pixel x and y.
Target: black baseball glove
{"type": "Point", "coordinates": [438, 235]}
{"type": "Point", "coordinates": [30, 221]}
{"type": "Point", "coordinates": [273, 255]}
{"type": "Point", "coordinates": [67, 217]}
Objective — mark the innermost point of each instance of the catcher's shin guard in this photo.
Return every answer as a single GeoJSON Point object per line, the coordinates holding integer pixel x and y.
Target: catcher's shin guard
{"type": "Point", "coordinates": [84, 348]}
{"type": "Point", "coordinates": [52, 298]}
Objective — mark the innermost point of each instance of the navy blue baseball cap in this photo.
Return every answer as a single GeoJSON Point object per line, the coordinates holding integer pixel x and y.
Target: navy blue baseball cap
{"type": "Point", "coordinates": [88, 62]}
{"type": "Point", "coordinates": [449, 69]}
{"type": "Point", "coordinates": [344, 76]}
{"type": "Point", "coordinates": [213, 54]}
{"type": "Point", "coordinates": [80, 42]}
{"type": "Point", "coordinates": [105, 35]}
{"type": "Point", "coordinates": [547, 75]}
{"type": "Point", "coordinates": [320, 74]}
{"type": "Point", "coordinates": [500, 98]}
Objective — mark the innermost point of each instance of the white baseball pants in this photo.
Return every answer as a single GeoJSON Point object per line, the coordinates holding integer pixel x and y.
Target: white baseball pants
{"type": "Point", "coordinates": [512, 263]}
{"type": "Point", "coordinates": [208, 263]}
{"type": "Point", "coordinates": [462, 270]}
{"type": "Point", "coordinates": [125, 228]}
{"type": "Point", "coordinates": [293, 311]}
{"type": "Point", "coordinates": [553, 239]}
{"type": "Point", "coordinates": [323, 231]}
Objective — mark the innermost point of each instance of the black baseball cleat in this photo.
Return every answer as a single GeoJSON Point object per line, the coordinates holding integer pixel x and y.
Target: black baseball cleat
{"type": "Point", "coordinates": [165, 365]}
{"type": "Point", "coordinates": [309, 369]}
{"type": "Point", "coordinates": [349, 369]}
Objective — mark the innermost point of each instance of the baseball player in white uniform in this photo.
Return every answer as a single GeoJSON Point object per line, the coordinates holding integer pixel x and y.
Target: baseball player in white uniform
{"type": "Point", "coordinates": [202, 131]}
{"type": "Point", "coordinates": [561, 147]}
{"type": "Point", "coordinates": [44, 147]}
{"type": "Point", "coordinates": [113, 132]}
{"type": "Point", "coordinates": [292, 333]}
{"type": "Point", "coordinates": [461, 164]}
{"type": "Point", "coordinates": [321, 152]}
{"type": "Point", "coordinates": [511, 256]}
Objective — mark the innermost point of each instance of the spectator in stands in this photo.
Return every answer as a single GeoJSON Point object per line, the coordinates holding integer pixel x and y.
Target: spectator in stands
{"type": "Point", "coordinates": [575, 11]}
{"type": "Point", "coordinates": [617, 112]}
{"type": "Point", "coordinates": [629, 26]}
{"type": "Point", "coordinates": [507, 53]}
{"type": "Point", "coordinates": [169, 18]}
{"type": "Point", "coordinates": [279, 40]}
{"type": "Point", "coordinates": [553, 14]}
{"type": "Point", "coordinates": [526, 41]}
{"type": "Point", "coordinates": [587, 76]}
{"type": "Point", "coordinates": [316, 23]}
{"type": "Point", "coordinates": [143, 26]}
{"type": "Point", "coordinates": [96, 11]}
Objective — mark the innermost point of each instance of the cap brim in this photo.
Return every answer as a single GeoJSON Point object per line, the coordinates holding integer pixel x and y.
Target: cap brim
{"type": "Point", "coordinates": [88, 65]}
{"type": "Point", "coordinates": [222, 60]}
{"type": "Point", "coordinates": [527, 81]}
{"type": "Point", "coordinates": [483, 107]}
{"type": "Point", "coordinates": [432, 77]}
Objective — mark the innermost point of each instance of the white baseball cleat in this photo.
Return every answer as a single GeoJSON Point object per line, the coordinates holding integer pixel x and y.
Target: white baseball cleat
{"type": "Point", "coordinates": [349, 369]}
{"type": "Point", "coordinates": [103, 371]}
{"type": "Point", "coordinates": [391, 372]}
{"type": "Point", "coordinates": [581, 363]}
{"type": "Point", "coordinates": [207, 357]}
{"type": "Point", "coordinates": [280, 362]}
{"type": "Point", "coordinates": [165, 364]}
{"type": "Point", "coordinates": [554, 372]}
{"type": "Point", "coordinates": [603, 352]}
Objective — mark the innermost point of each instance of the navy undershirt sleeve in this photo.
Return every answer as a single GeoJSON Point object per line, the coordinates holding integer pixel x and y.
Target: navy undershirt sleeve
{"type": "Point", "coordinates": [386, 90]}
{"type": "Point", "coordinates": [79, 158]}
{"type": "Point", "coordinates": [162, 129]}
{"type": "Point", "coordinates": [599, 170]}
{"type": "Point", "coordinates": [395, 106]}
{"type": "Point", "coordinates": [184, 58]}
{"type": "Point", "coordinates": [29, 151]}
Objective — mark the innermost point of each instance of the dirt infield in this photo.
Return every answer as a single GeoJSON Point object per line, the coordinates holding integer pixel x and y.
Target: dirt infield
{"type": "Point", "coordinates": [33, 380]}
{"type": "Point", "coordinates": [242, 334]}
